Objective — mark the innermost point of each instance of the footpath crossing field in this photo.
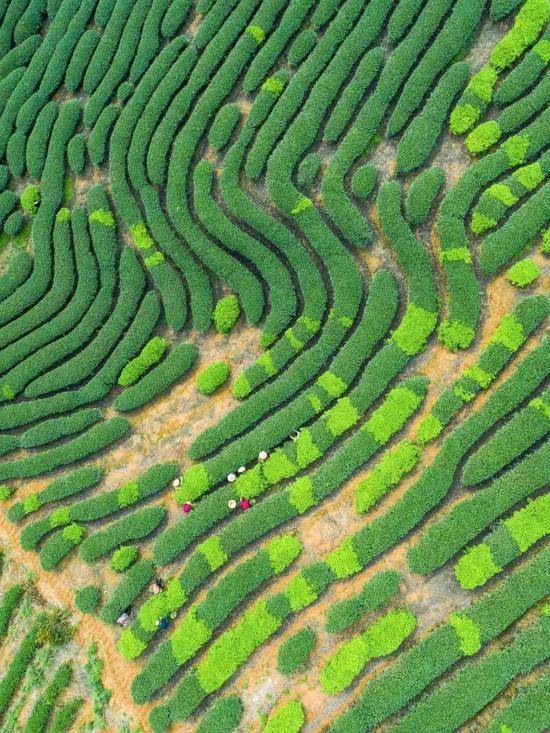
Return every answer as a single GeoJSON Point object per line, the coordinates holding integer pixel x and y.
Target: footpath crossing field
{"type": "Point", "coordinates": [274, 359]}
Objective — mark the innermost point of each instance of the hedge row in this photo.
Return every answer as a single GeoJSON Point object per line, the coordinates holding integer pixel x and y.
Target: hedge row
{"type": "Point", "coordinates": [8, 605]}
{"type": "Point", "coordinates": [402, 18]}
{"type": "Point", "coordinates": [511, 119]}
{"type": "Point", "coordinates": [152, 352]}
{"type": "Point", "coordinates": [382, 637]}
{"type": "Point", "coordinates": [212, 377]}
{"type": "Point", "coordinates": [422, 194]}
{"type": "Point", "coordinates": [294, 653]}
{"type": "Point", "coordinates": [522, 273]}
{"type": "Point", "coordinates": [510, 539]}
{"type": "Point", "coordinates": [61, 488]}
{"type": "Point", "coordinates": [527, 711]}
{"type": "Point", "coordinates": [280, 238]}
{"type": "Point", "coordinates": [437, 479]}
{"type": "Point", "coordinates": [375, 594]}
{"type": "Point", "coordinates": [135, 526]}
{"type": "Point", "coordinates": [353, 94]}
{"type": "Point", "coordinates": [518, 435]}
{"type": "Point", "coordinates": [291, 21]}
{"type": "Point", "coordinates": [178, 362]}
{"type": "Point", "coordinates": [312, 90]}
{"type": "Point", "coordinates": [43, 707]}
{"type": "Point", "coordinates": [18, 271]}
{"type": "Point", "coordinates": [498, 248]}
{"type": "Point", "coordinates": [462, 636]}
{"type": "Point", "coordinates": [529, 22]}
{"type": "Point", "coordinates": [253, 254]}
{"type": "Point", "coordinates": [202, 620]}
{"type": "Point", "coordinates": [479, 682]}
{"type": "Point", "coordinates": [52, 430]}
{"type": "Point", "coordinates": [87, 360]}
{"type": "Point", "coordinates": [87, 443]}
{"type": "Point", "coordinates": [495, 202]}
{"type": "Point", "coordinates": [471, 516]}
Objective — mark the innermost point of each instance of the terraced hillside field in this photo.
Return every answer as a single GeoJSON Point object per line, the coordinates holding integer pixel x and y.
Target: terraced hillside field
{"type": "Point", "coordinates": [274, 398]}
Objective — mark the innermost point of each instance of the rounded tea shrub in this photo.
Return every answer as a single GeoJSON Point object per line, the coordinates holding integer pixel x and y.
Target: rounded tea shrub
{"type": "Point", "coordinates": [87, 599]}
{"type": "Point", "coordinates": [213, 377]}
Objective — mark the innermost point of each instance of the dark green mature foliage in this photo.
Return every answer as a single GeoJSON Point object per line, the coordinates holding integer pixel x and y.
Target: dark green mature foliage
{"type": "Point", "coordinates": [346, 177]}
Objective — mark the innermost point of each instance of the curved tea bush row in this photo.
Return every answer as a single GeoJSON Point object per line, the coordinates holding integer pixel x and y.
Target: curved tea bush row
{"type": "Point", "coordinates": [52, 430]}
{"type": "Point", "coordinates": [87, 443]}
{"type": "Point", "coordinates": [471, 516]}
{"type": "Point", "coordinates": [495, 202]}
{"type": "Point", "coordinates": [422, 194]}
{"type": "Point", "coordinates": [516, 233]}
{"type": "Point", "coordinates": [16, 274]}
{"type": "Point", "coordinates": [505, 543]}
{"type": "Point", "coordinates": [128, 589]}
{"type": "Point", "coordinates": [529, 22]}
{"type": "Point", "coordinates": [152, 352]}
{"type": "Point", "coordinates": [148, 484]}
{"type": "Point", "coordinates": [61, 488]}
{"type": "Point", "coordinates": [384, 636]}
{"type": "Point", "coordinates": [525, 73]}
{"type": "Point", "coordinates": [178, 362]}
{"type": "Point", "coordinates": [375, 594]}
{"type": "Point", "coordinates": [294, 652]}
{"type": "Point", "coordinates": [474, 686]}
{"type": "Point", "coordinates": [527, 711]}
{"type": "Point", "coordinates": [458, 328]}
{"type": "Point", "coordinates": [202, 620]}
{"type": "Point", "coordinates": [343, 212]}
{"type": "Point", "coordinates": [462, 636]}
{"type": "Point", "coordinates": [512, 118]}
{"type": "Point", "coordinates": [509, 336]}
{"type": "Point", "coordinates": [402, 18]}
{"type": "Point", "coordinates": [135, 526]}
{"type": "Point", "coordinates": [522, 431]}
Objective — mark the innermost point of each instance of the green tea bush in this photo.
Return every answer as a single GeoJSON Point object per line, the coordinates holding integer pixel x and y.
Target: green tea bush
{"type": "Point", "coordinates": [290, 718]}
{"type": "Point", "coordinates": [213, 377]}
{"type": "Point", "coordinates": [226, 313]}
{"type": "Point", "coordinates": [43, 708]}
{"type": "Point", "coordinates": [133, 582]}
{"type": "Point", "coordinates": [123, 558]}
{"type": "Point", "coordinates": [223, 716]}
{"type": "Point", "coordinates": [152, 352]}
{"type": "Point", "coordinates": [87, 599]}
{"type": "Point", "coordinates": [525, 428]}
{"type": "Point", "coordinates": [375, 594]}
{"type": "Point", "coordinates": [522, 273]}
{"type": "Point", "coordinates": [294, 653]}
{"type": "Point", "coordinates": [222, 128]}
{"type": "Point", "coordinates": [8, 605]}
{"type": "Point", "coordinates": [177, 363]}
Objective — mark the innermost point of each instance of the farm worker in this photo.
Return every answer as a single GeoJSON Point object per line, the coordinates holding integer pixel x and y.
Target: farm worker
{"type": "Point", "coordinates": [163, 623]}
{"type": "Point", "coordinates": [262, 455]}
{"type": "Point", "coordinates": [294, 435]}
{"type": "Point", "coordinates": [232, 503]}
{"type": "Point", "coordinates": [245, 504]}
{"type": "Point", "coordinates": [241, 469]}
{"type": "Point", "coordinates": [124, 618]}
{"type": "Point", "coordinates": [187, 507]}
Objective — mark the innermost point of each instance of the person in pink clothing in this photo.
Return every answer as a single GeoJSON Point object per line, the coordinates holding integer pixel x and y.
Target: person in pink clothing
{"type": "Point", "coordinates": [187, 507]}
{"type": "Point", "coordinates": [245, 504]}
